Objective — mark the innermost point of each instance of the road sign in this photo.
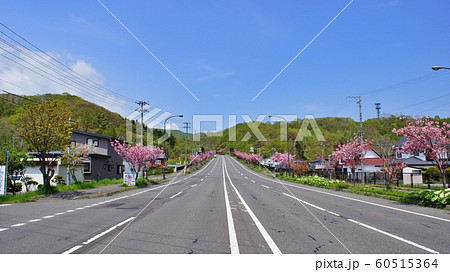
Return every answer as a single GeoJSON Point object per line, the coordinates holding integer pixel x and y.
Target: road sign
{"type": "Point", "coordinates": [2, 180]}
{"type": "Point", "coordinates": [129, 178]}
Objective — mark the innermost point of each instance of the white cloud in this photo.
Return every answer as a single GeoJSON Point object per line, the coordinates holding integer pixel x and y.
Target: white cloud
{"type": "Point", "coordinates": [172, 126]}
{"type": "Point", "coordinates": [32, 73]}
{"type": "Point", "coordinates": [86, 70]}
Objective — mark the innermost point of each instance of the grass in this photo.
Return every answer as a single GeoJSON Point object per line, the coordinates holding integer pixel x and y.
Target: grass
{"type": "Point", "coordinates": [403, 193]}
{"type": "Point", "coordinates": [30, 196]}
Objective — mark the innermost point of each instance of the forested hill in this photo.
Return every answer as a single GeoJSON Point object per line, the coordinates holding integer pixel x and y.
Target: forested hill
{"type": "Point", "coordinates": [96, 119]}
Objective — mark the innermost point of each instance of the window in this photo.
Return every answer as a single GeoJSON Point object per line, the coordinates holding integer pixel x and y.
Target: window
{"type": "Point", "coordinates": [119, 169]}
{"type": "Point", "coordinates": [90, 141]}
{"type": "Point", "coordinates": [87, 167]}
{"type": "Point", "coordinates": [73, 143]}
{"type": "Point", "coordinates": [110, 167]}
{"type": "Point", "coordinates": [95, 143]}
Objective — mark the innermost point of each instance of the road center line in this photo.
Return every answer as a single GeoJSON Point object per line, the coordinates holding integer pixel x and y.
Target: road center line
{"type": "Point", "coordinates": [34, 220]}
{"type": "Point", "coordinates": [18, 225]}
{"type": "Point", "coordinates": [265, 186]}
{"type": "Point", "coordinates": [231, 230]}
{"type": "Point", "coordinates": [258, 224]}
{"type": "Point", "coordinates": [72, 249]}
{"type": "Point", "coordinates": [3, 229]}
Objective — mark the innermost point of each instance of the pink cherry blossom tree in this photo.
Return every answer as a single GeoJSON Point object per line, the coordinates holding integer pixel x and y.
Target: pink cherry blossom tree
{"type": "Point", "coordinates": [392, 168]}
{"type": "Point", "coordinates": [195, 159]}
{"type": "Point", "coordinates": [282, 158]}
{"type": "Point", "coordinates": [138, 155]}
{"type": "Point", "coordinates": [251, 158]}
{"type": "Point", "coordinates": [427, 137]}
{"type": "Point", "coordinates": [351, 154]}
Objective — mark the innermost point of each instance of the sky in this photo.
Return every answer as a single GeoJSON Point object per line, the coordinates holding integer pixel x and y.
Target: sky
{"type": "Point", "coordinates": [214, 57]}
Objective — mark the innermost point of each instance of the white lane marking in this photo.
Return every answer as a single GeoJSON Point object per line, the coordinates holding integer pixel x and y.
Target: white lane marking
{"type": "Point", "coordinates": [5, 205]}
{"type": "Point", "coordinates": [87, 207]}
{"type": "Point", "coordinates": [245, 177]}
{"type": "Point", "coordinates": [175, 195]}
{"type": "Point", "coordinates": [72, 249]}
{"type": "Point", "coordinates": [79, 209]}
{"type": "Point", "coordinates": [138, 193]}
{"type": "Point", "coordinates": [18, 225]}
{"type": "Point", "coordinates": [231, 230]}
{"type": "Point", "coordinates": [394, 236]}
{"type": "Point", "coordinates": [265, 186]}
{"type": "Point", "coordinates": [107, 231]}
{"type": "Point", "coordinates": [304, 202]}
{"type": "Point", "coordinates": [193, 185]}
{"type": "Point", "coordinates": [253, 181]}
{"type": "Point", "coordinates": [34, 220]}
{"type": "Point", "coordinates": [258, 224]}
{"type": "Point", "coordinates": [48, 216]}
{"type": "Point", "coordinates": [3, 229]}
{"type": "Point", "coordinates": [69, 211]}
{"type": "Point", "coordinates": [60, 213]}
{"type": "Point", "coordinates": [201, 180]}
{"type": "Point", "coordinates": [369, 227]}
{"type": "Point", "coordinates": [353, 199]}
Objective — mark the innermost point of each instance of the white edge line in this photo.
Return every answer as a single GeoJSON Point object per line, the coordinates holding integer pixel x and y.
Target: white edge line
{"type": "Point", "coordinates": [394, 236]}
{"type": "Point", "coordinates": [231, 230]}
{"type": "Point", "coordinates": [258, 224]}
{"type": "Point", "coordinates": [353, 199]}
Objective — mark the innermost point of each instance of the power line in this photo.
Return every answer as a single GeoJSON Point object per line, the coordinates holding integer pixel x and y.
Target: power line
{"type": "Point", "coordinates": [71, 71]}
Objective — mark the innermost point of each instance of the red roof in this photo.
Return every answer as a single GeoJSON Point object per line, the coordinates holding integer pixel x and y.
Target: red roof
{"type": "Point", "coordinates": [373, 161]}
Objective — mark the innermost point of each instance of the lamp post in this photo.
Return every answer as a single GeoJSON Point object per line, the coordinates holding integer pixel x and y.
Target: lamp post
{"type": "Point", "coordinates": [287, 131]}
{"type": "Point", "coordinates": [164, 144]}
{"type": "Point", "coordinates": [436, 68]}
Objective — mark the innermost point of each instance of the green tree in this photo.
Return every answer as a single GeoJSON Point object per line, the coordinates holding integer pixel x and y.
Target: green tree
{"type": "Point", "coordinates": [46, 127]}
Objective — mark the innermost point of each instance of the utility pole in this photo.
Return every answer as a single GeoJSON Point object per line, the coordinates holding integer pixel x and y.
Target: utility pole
{"type": "Point", "coordinates": [378, 108]}
{"type": "Point", "coordinates": [186, 126]}
{"type": "Point", "coordinates": [358, 101]}
{"type": "Point", "coordinates": [142, 111]}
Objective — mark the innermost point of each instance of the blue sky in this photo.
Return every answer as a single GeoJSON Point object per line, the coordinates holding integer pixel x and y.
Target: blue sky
{"type": "Point", "coordinates": [225, 52]}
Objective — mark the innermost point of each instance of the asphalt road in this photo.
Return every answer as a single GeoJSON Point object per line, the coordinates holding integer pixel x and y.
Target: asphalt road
{"type": "Point", "coordinates": [220, 209]}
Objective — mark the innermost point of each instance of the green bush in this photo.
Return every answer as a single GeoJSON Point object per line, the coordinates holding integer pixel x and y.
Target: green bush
{"type": "Point", "coordinates": [59, 180]}
{"type": "Point", "coordinates": [142, 182]}
{"type": "Point", "coordinates": [440, 198]}
{"type": "Point", "coordinates": [323, 182]}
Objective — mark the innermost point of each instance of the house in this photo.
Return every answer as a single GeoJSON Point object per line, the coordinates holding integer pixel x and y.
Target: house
{"type": "Point", "coordinates": [103, 161]}
{"type": "Point", "coordinates": [415, 161]}
{"type": "Point", "coordinates": [372, 162]}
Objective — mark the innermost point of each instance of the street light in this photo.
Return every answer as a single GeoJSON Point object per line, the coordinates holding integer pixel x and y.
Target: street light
{"type": "Point", "coordinates": [436, 68]}
{"type": "Point", "coordinates": [287, 131]}
{"type": "Point", "coordinates": [164, 144]}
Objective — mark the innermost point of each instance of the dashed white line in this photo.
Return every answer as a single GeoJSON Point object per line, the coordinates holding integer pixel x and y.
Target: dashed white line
{"type": "Point", "coordinates": [60, 213]}
{"type": "Point", "coordinates": [193, 185]}
{"type": "Point", "coordinates": [175, 195]}
{"type": "Point", "coordinates": [3, 229]}
{"type": "Point", "coordinates": [253, 181]}
{"type": "Point", "coordinates": [72, 249]}
{"type": "Point", "coordinates": [265, 186]}
{"type": "Point", "coordinates": [79, 209]}
{"type": "Point", "coordinates": [69, 211]}
{"type": "Point", "coordinates": [18, 225]}
{"type": "Point", "coordinates": [34, 220]}
{"type": "Point", "coordinates": [107, 231]}
{"type": "Point", "coordinates": [394, 236]}
{"type": "Point", "coordinates": [48, 216]}
{"type": "Point", "coordinates": [245, 177]}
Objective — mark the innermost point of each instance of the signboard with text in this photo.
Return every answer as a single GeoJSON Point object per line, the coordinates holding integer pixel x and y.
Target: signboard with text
{"type": "Point", "coordinates": [2, 180]}
{"type": "Point", "coordinates": [129, 178]}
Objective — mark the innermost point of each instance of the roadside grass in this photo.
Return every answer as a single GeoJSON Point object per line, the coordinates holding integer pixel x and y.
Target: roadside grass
{"type": "Point", "coordinates": [434, 197]}
{"type": "Point", "coordinates": [30, 196]}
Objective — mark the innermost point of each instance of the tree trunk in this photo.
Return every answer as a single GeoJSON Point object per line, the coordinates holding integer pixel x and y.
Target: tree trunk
{"type": "Point", "coordinates": [443, 179]}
